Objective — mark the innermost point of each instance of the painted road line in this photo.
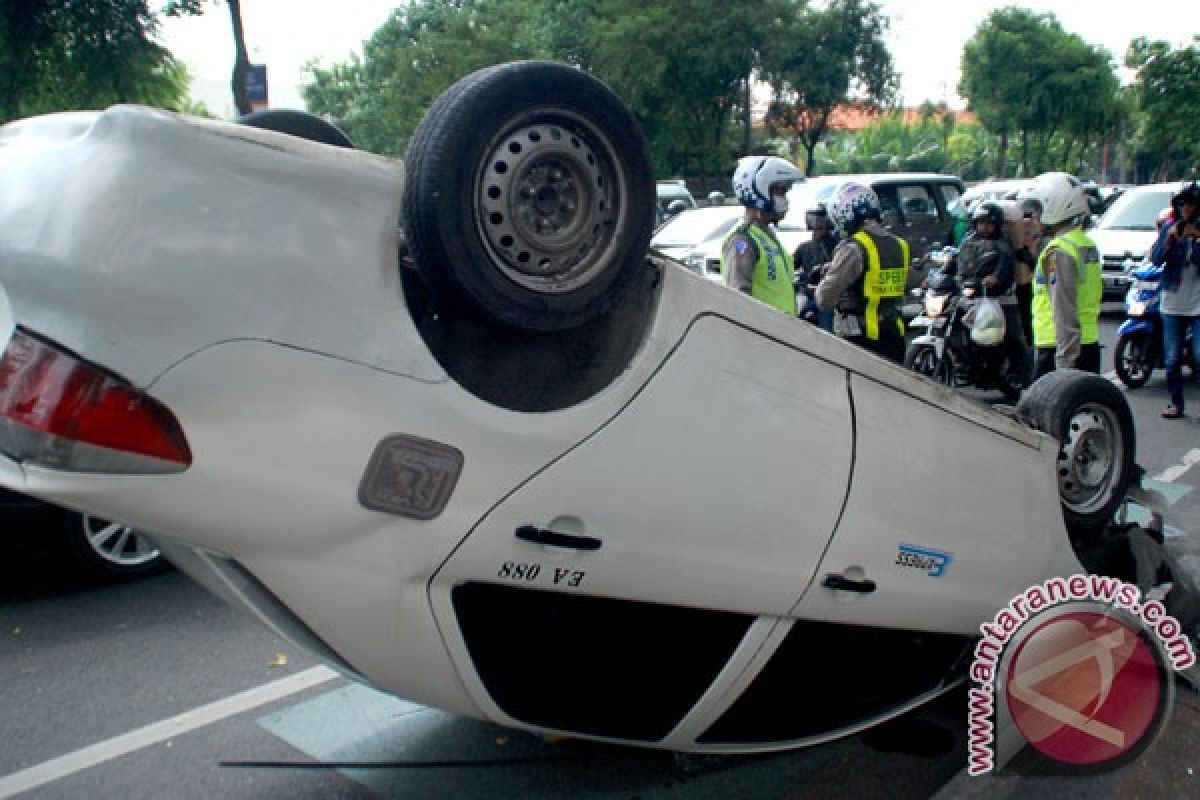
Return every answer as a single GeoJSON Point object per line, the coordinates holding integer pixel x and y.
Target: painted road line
{"type": "Point", "coordinates": [1172, 474]}
{"type": "Point", "coordinates": [69, 764]}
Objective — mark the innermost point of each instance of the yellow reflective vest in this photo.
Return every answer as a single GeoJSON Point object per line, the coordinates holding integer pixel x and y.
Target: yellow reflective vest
{"type": "Point", "coordinates": [882, 286]}
{"type": "Point", "coordinates": [772, 281]}
{"type": "Point", "coordinates": [1089, 289]}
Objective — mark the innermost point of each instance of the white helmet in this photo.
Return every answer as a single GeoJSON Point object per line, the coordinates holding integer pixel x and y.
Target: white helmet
{"type": "Point", "coordinates": [852, 203]}
{"type": "Point", "coordinates": [1061, 196]}
{"type": "Point", "coordinates": [754, 176]}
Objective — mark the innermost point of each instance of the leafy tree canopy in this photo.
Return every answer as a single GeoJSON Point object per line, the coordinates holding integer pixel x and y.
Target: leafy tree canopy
{"type": "Point", "coordinates": [1024, 76]}
{"type": "Point", "coordinates": [57, 55]}
{"type": "Point", "coordinates": [826, 58]}
{"type": "Point", "coordinates": [1165, 94]}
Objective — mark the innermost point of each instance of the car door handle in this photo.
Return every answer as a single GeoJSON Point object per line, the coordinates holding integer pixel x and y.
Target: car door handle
{"type": "Point", "coordinates": [835, 581]}
{"type": "Point", "coordinates": [532, 533]}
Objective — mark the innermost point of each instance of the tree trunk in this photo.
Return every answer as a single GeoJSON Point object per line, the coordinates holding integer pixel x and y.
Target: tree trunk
{"type": "Point", "coordinates": [1002, 154]}
{"type": "Point", "coordinates": [241, 61]}
{"type": "Point", "coordinates": [746, 122]}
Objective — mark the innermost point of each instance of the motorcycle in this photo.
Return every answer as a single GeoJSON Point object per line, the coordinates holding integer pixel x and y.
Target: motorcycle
{"type": "Point", "coordinates": [939, 267]}
{"type": "Point", "coordinates": [948, 353]}
{"type": "Point", "coordinates": [1139, 348]}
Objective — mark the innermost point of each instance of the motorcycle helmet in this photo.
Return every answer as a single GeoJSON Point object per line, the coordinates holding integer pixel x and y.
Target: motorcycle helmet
{"type": "Point", "coordinates": [754, 177]}
{"type": "Point", "coordinates": [814, 216]}
{"type": "Point", "coordinates": [1061, 196]}
{"type": "Point", "coordinates": [851, 204]}
{"type": "Point", "coordinates": [990, 212]}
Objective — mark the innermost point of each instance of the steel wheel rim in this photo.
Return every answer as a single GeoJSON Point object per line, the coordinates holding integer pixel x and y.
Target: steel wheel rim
{"type": "Point", "coordinates": [549, 202]}
{"type": "Point", "coordinates": [118, 544]}
{"type": "Point", "coordinates": [1089, 461]}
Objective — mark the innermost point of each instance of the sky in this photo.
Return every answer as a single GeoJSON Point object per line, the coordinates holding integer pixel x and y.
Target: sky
{"type": "Point", "coordinates": [926, 39]}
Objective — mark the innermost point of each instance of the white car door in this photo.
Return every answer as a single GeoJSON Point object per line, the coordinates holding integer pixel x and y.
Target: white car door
{"type": "Point", "coordinates": [717, 487]}
{"type": "Point", "coordinates": [606, 593]}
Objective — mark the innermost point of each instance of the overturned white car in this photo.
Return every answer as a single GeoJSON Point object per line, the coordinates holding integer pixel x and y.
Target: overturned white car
{"type": "Point", "coordinates": [448, 425]}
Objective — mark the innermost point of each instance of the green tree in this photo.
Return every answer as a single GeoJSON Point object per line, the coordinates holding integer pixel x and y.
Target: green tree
{"type": "Point", "coordinates": [680, 65]}
{"type": "Point", "coordinates": [65, 54]}
{"type": "Point", "coordinates": [423, 48]}
{"type": "Point", "coordinates": [1026, 77]}
{"type": "Point", "coordinates": [1168, 104]}
{"type": "Point", "coordinates": [241, 58]}
{"type": "Point", "coordinates": [827, 57]}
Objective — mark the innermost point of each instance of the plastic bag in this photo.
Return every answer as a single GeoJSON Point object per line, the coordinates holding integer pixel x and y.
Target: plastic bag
{"type": "Point", "coordinates": [987, 325]}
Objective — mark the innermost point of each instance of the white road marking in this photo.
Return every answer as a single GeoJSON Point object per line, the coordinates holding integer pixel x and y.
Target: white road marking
{"type": "Point", "coordinates": [155, 732]}
{"type": "Point", "coordinates": [1171, 474]}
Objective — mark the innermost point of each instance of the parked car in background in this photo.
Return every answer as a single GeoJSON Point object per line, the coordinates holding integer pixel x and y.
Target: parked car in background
{"type": "Point", "coordinates": [993, 190]}
{"type": "Point", "coordinates": [1127, 231]}
{"type": "Point", "coordinates": [916, 205]}
{"type": "Point", "coordinates": [691, 234]}
{"type": "Point", "coordinates": [92, 546]}
{"type": "Point", "coordinates": [667, 192]}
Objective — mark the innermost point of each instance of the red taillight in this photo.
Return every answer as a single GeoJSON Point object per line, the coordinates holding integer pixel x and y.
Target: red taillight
{"type": "Point", "coordinates": [60, 411]}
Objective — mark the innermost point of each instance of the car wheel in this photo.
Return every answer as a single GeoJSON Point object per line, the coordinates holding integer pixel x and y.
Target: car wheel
{"type": "Point", "coordinates": [1092, 422]}
{"type": "Point", "coordinates": [528, 196]}
{"type": "Point", "coordinates": [922, 358]}
{"type": "Point", "coordinates": [297, 123]}
{"type": "Point", "coordinates": [106, 550]}
{"type": "Point", "coordinates": [1131, 359]}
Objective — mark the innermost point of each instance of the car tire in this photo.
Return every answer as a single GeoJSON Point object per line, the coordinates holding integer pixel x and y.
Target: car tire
{"type": "Point", "coordinates": [1090, 418]}
{"type": "Point", "coordinates": [528, 197]}
{"type": "Point", "coordinates": [107, 551]}
{"type": "Point", "coordinates": [298, 123]}
{"type": "Point", "coordinates": [1131, 359]}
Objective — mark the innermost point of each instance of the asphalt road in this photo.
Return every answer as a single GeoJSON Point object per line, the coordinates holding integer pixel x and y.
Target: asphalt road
{"type": "Point", "coordinates": [145, 689]}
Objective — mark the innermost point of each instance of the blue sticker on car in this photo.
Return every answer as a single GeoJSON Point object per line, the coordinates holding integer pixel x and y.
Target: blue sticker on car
{"type": "Point", "coordinates": [934, 562]}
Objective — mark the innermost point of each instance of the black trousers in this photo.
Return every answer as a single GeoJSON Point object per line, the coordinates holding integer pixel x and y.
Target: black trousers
{"type": "Point", "coordinates": [1089, 359]}
{"type": "Point", "coordinates": [1024, 293]}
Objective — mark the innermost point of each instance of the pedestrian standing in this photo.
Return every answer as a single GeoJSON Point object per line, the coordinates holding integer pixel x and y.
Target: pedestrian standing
{"type": "Point", "coordinates": [1178, 250]}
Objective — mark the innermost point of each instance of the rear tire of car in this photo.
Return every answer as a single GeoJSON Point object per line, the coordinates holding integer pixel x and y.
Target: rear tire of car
{"type": "Point", "coordinates": [1132, 359]}
{"type": "Point", "coordinates": [1092, 422]}
{"type": "Point", "coordinates": [528, 197]}
{"type": "Point", "coordinates": [107, 551]}
{"type": "Point", "coordinates": [297, 123]}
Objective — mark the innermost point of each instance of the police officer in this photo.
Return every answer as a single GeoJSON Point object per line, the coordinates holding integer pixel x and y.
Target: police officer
{"type": "Point", "coordinates": [752, 260]}
{"type": "Point", "coordinates": [865, 280]}
{"type": "Point", "coordinates": [1067, 282]}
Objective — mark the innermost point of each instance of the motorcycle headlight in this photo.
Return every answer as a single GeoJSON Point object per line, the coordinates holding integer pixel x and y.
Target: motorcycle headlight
{"type": "Point", "coordinates": [935, 304]}
{"type": "Point", "coordinates": [1136, 308]}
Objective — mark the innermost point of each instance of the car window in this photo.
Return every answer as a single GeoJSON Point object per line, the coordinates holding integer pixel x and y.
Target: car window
{"type": "Point", "coordinates": [889, 203]}
{"type": "Point", "coordinates": [916, 204]}
{"type": "Point", "coordinates": [1135, 211]}
{"type": "Point", "coordinates": [950, 196]}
